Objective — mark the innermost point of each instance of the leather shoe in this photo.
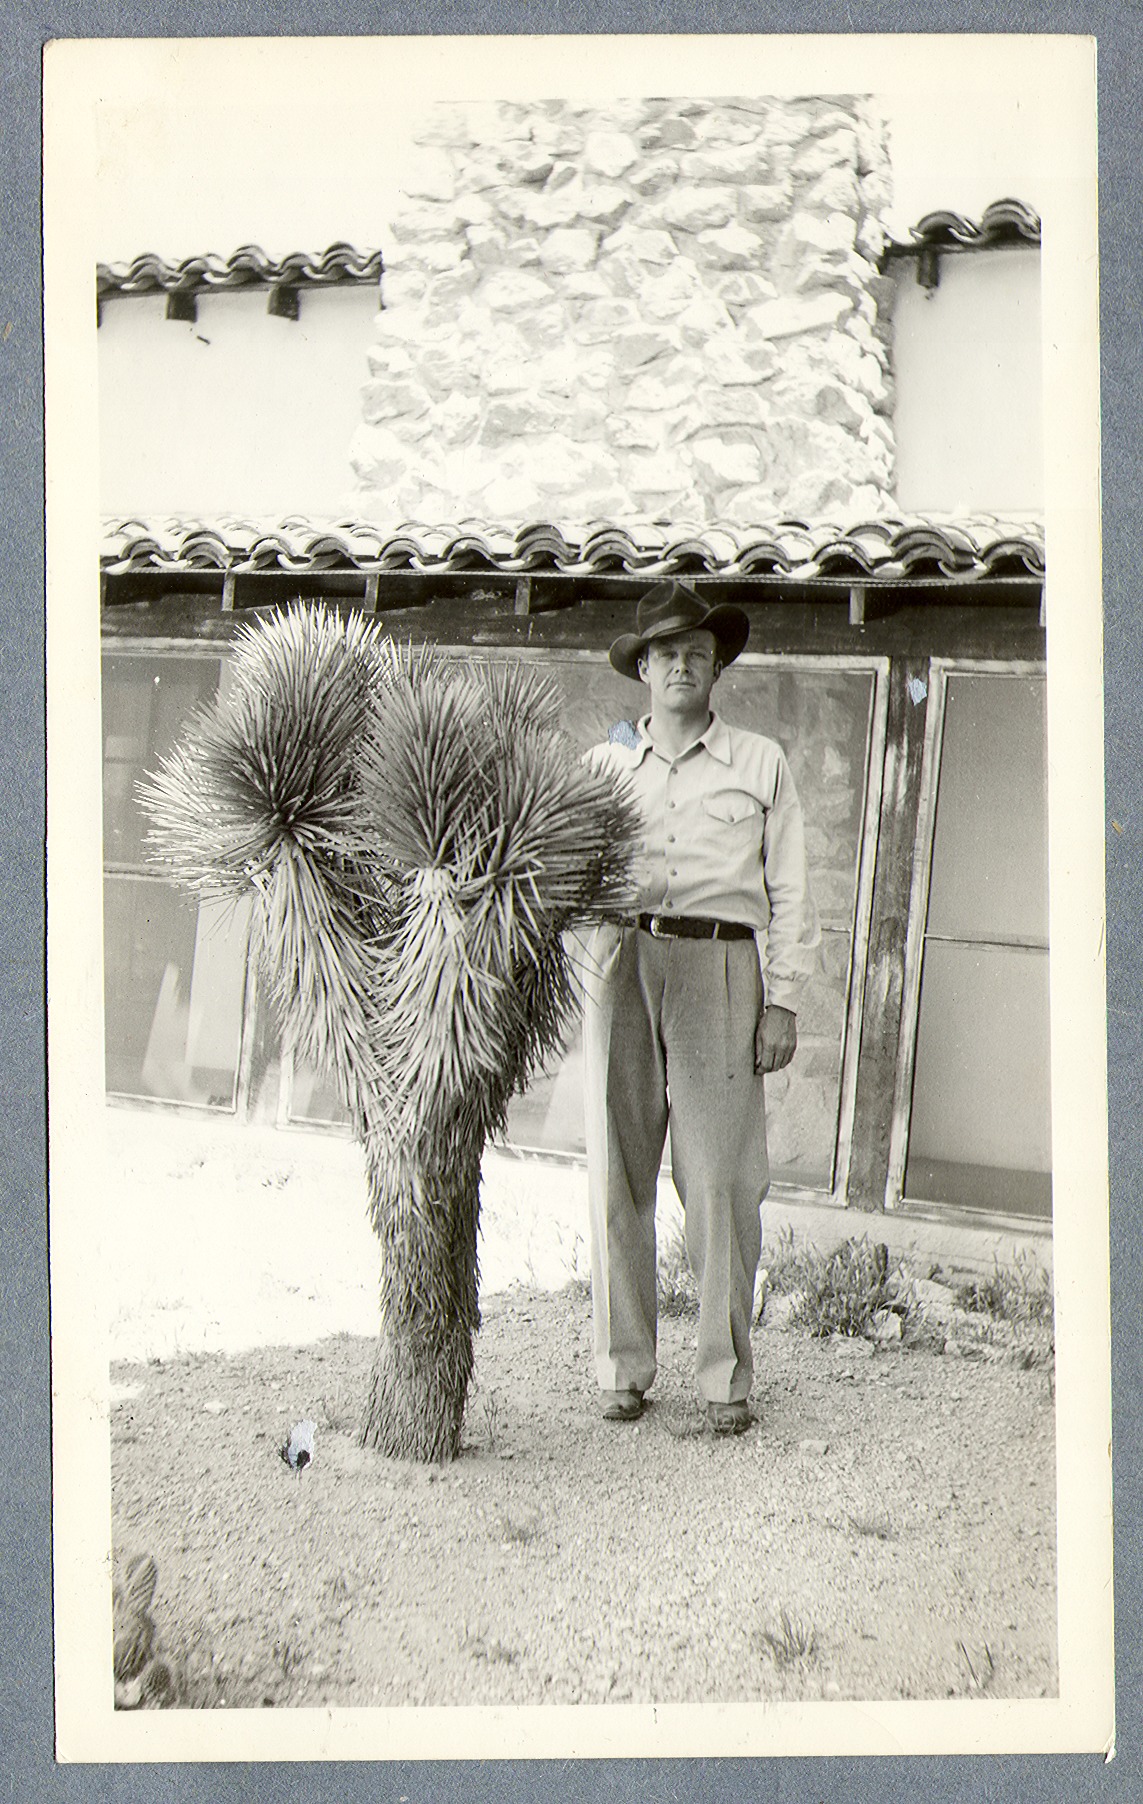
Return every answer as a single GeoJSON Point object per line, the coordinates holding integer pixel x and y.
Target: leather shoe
{"type": "Point", "coordinates": [729, 1418]}
{"type": "Point", "coordinates": [622, 1406]}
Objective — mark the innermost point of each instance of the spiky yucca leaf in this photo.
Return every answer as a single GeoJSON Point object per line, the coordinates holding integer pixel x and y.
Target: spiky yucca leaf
{"type": "Point", "coordinates": [417, 761]}
{"type": "Point", "coordinates": [260, 796]}
{"type": "Point", "coordinates": [511, 838]}
{"type": "Point", "coordinates": [515, 695]}
{"type": "Point", "coordinates": [270, 759]}
{"type": "Point", "coordinates": [322, 973]}
{"type": "Point", "coordinates": [548, 995]}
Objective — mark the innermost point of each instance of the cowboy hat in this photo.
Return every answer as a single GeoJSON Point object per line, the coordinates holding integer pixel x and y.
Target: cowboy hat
{"type": "Point", "coordinates": [672, 607]}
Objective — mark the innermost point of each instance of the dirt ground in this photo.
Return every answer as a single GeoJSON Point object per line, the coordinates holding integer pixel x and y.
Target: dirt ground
{"type": "Point", "coordinates": [886, 1530]}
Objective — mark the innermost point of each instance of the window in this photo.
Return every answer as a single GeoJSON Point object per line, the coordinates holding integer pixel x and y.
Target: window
{"type": "Point", "coordinates": [979, 1132]}
{"type": "Point", "coordinates": [174, 969]}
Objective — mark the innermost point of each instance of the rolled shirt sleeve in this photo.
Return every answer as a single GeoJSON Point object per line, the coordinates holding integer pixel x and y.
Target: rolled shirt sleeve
{"type": "Point", "coordinates": [790, 944]}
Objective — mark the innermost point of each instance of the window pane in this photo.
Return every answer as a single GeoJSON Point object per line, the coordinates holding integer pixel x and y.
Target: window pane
{"type": "Point", "coordinates": [990, 847]}
{"type": "Point", "coordinates": [174, 981]}
{"type": "Point", "coordinates": [980, 1129]}
{"type": "Point", "coordinates": [145, 702]}
{"type": "Point", "coordinates": [314, 1098]}
{"type": "Point", "coordinates": [981, 1126]}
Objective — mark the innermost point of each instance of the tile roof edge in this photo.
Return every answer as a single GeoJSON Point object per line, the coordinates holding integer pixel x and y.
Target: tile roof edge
{"type": "Point", "coordinates": [864, 548]}
{"type": "Point", "coordinates": [247, 267]}
{"type": "Point", "coordinates": [1002, 224]}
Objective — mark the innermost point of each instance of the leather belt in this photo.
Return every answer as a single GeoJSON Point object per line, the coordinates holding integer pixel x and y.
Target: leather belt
{"type": "Point", "coordinates": [692, 927]}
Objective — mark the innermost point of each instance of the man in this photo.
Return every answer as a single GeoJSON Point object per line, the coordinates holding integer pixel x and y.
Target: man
{"type": "Point", "coordinates": [679, 1025]}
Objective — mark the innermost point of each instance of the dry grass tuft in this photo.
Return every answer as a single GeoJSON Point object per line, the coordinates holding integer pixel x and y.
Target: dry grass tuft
{"type": "Point", "coordinates": [848, 1291]}
{"type": "Point", "coordinates": [675, 1285]}
{"type": "Point", "coordinates": [874, 1524]}
{"type": "Point", "coordinates": [794, 1642]}
{"type": "Point", "coordinates": [1020, 1292]}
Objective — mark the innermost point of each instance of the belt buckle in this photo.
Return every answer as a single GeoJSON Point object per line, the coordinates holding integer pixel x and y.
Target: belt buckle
{"type": "Point", "coordinates": [656, 925]}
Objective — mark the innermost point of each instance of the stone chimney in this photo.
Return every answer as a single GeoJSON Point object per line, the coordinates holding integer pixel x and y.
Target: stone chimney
{"type": "Point", "coordinates": [654, 310]}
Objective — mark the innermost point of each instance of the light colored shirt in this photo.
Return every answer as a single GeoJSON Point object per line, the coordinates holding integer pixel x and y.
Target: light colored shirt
{"type": "Point", "coordinates": [724, 837]}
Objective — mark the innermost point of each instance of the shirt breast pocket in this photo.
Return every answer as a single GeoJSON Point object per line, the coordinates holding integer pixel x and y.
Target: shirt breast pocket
{"type": "Point", "coordinates": [733, 808]}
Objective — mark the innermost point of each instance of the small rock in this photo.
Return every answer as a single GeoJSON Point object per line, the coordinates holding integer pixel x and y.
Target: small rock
{"type": "Point", "coordinates": [936, 1300]}
{"type": "Point", "coordinates": [778, 1310]}
{"type": "Point", "coordinates": [886, 1326]}
{"type": "Point", "coordinates": [818, 1449]}
{"type": "Point", "coordinates": [213, 1407]}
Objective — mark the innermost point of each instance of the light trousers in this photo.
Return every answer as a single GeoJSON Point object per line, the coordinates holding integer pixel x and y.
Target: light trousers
{"type": "Point", "coordinates": [669, 1040]}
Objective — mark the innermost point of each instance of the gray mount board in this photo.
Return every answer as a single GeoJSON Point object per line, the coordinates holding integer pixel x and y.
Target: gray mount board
{"type": "Point", "coordinates": [26, 1765]}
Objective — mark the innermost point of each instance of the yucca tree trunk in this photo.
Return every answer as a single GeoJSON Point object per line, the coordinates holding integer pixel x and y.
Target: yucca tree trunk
{"type": "Point", "coordinates": [426, 1220]}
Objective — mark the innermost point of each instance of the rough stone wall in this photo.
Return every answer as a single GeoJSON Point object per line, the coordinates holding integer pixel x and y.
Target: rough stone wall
{"type": "Point", "coordinates": [660, 310]}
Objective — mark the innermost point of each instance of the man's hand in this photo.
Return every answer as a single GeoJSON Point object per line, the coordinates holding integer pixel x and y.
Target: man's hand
{"type": "Point", "coordinates": [775, 1039]}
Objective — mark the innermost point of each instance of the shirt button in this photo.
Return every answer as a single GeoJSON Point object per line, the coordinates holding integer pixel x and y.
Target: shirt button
{"type": "Point", "coordinates": [670, 804]}
{"type": "Point", "coordinates": [670, 839]}
{"type": "Point", "coordinates": [674, 873]}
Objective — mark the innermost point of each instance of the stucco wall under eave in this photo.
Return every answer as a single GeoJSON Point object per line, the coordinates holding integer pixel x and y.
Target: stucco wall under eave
{"type": "Point", "coordinates": [967, 361]}
{"type": "Point", "coordinates": [238, 412]}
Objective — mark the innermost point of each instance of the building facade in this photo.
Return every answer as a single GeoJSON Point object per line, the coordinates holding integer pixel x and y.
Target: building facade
{"type": "Point", "coordinates": [599, 347]}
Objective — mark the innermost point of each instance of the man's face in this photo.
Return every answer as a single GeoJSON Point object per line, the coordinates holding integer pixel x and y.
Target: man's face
{"type": "Point", "coordinates": [680, 670]}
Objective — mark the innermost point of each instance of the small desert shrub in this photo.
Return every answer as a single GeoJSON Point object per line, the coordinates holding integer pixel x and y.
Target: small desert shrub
{"type": "Point", "coordinates": [1020, 1292]}
{"type": "Point", "coordinates": [979, 1664]}
{"type": "Point", "coordinates": [205, 1680]}
{"type": "Point", "coordinates": [337, 1413]}
{"type": "Point", "coordinates": [843, 1292]}
{"type": "Point", "coordinates": [579, 1262]}
{"type": "Point", "coordinates": [579, 1284]}
{"type": "Point", "coordinates": [675, 1285]}
{"type": "Point", "coordinates": [175, 1669]}
{"type": "Point", "coordinates": [485, 1408]}
{"type": "Point", "coordinates": [783, 1263]}
{"type": "Point", "coordinates": [874, 1524]}
{"type": "Point", "coordinates": [519, 1529]}
{"type": "Point", "coordinates": [690, 1426]}
{"type": "Point", "coordinates": [792, 1642]}
{"type": "Point", "coordinates": [479, 1645]}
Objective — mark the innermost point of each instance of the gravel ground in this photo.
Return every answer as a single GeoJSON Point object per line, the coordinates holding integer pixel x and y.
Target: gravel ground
{"type": "Point", "coordinates": [886, 1530]}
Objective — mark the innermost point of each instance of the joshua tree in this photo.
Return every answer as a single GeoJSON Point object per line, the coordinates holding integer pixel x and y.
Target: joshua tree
{"type": "Point", "coordinates": [416, 834]}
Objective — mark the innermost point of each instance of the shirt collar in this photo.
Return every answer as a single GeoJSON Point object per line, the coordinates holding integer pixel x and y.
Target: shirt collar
{"type": "Point", "coordinates": [716, 739]}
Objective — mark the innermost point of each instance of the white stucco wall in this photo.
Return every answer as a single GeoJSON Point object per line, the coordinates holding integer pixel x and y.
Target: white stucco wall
{"type": "Point", "coordinates": [967, 362]}
{"type": "Point", "coordinates": [236, 413]}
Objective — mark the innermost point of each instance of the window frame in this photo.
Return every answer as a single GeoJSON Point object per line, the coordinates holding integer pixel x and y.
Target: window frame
{"type": "Point", "coordinates": [896, 1200]}
{"type": "Point", "coordinates": [216, 652]}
